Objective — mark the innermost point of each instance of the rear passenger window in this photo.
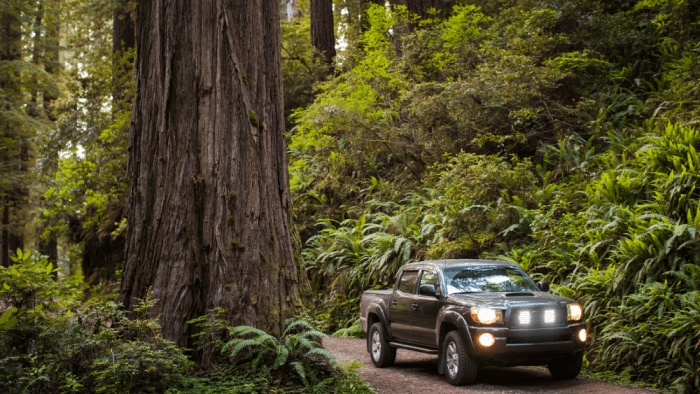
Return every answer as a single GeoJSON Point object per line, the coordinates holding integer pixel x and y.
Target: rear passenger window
{"type": "Point", "coordinates": [407, 283]}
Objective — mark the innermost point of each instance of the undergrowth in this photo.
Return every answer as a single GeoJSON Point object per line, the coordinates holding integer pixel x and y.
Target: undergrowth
{"type": "Point", "coordinates": [52, 340]}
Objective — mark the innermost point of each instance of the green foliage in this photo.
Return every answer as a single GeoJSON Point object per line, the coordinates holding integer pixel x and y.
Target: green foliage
{"type": "Point", "coordinates": [55, 341]}
{"type": "Point", "coordinates": [52, 341]}
{"type": "Point", "coordinates": [597, 100]}
{"type": "Point", "coordinates": [258, 361]}
{"type": "Point", "coordinates": [560, 135]}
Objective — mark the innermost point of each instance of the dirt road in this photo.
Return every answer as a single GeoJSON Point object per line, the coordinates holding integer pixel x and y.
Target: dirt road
{"type": "Point", "coordinates": [417, 373]}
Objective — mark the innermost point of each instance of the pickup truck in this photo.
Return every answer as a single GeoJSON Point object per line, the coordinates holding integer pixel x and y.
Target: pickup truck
{"type": "Point", "coordinates": [472, 313]}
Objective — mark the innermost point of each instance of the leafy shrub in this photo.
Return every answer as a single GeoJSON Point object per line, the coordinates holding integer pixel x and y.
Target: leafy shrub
{"type": "Point", "coordinates": [259, 361]}
{"type": "Point", "coordinates": [51, 340]}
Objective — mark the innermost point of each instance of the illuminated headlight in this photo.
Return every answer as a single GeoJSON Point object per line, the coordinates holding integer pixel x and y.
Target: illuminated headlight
{"type": "Point", "coordinates": [486, 315]}
{"type": "Point", "coordinates": [487, 340]}
{"type": "Point", "coordinates": [574, 312]}
{"type": "Point", "coordinates": [582, 335]}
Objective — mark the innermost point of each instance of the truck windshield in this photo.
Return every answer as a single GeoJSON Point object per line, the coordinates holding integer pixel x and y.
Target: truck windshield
{"type": "Point", "coordinates": [487, 278]}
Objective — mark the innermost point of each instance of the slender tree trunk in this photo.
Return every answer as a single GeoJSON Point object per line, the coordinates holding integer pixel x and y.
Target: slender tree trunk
{"type": "Point", "coordinates": [48, 56]}
{"type": "Point", "coordinates": [322, 34]}
{"type": "Point", "coordinates": [208, 213]}
{"type": "Point", "coordinates": [123, 41]}
{"type": "Point", "coordinates": [5, 233]}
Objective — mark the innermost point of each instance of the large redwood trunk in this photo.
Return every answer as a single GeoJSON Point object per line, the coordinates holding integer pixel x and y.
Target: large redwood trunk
{"type": "Point", "coordinates": [208, 213]}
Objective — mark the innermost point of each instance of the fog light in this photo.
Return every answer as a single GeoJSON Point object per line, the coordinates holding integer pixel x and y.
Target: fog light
{"type": "Point", "coordinates": [487, 340]}
{"type": "Point", "coordinates": [524, 317]}
{"type": "Point", "coordinates": [582, 335]}
{"type": "Point", "coordinates": [549, 316]}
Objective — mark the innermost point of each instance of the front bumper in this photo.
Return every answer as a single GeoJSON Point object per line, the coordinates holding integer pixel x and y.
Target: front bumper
{"type": "Point", "coordinates": [527, 345]}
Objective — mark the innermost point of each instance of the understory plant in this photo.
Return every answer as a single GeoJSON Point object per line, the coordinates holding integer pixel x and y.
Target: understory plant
{"type": "Point", "coordinates": [293, 362]}
{"type": "Point", "coordinates": [50, 340]}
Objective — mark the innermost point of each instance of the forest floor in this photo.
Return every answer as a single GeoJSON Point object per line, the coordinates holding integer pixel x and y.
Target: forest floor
{"type": "Point", "coordinates": [417, 373]}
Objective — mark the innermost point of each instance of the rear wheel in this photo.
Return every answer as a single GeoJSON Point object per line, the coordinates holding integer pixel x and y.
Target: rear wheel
{"type": "Point", "coordinates": [566, 368]}
{"type": "Point", "coordinates": [460, 368]}
{"type": "Point", "coordinates": [381, 353]}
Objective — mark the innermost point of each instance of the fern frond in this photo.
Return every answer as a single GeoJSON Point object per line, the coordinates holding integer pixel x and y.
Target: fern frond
{"type": "Point", "coordinates": [324, 354]}
{"type": "Point", "coordinates": [298, 367]}
{"type": "Point", "coordinates": [282, 355]}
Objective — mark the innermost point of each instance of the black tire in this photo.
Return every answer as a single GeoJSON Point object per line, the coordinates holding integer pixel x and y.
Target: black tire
{"type": "Point", "coordinates": [566, 368]}
{"type": "Point", "coordinates": [380, 352]}
{"type": "Point", "coordinates": [460, 367]}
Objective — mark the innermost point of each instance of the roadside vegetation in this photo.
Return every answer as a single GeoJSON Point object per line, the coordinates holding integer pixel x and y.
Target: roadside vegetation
{"type": "Point", "coordinates": [559, 135]}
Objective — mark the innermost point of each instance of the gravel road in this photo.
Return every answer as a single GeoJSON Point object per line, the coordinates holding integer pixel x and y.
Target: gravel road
{"type": "Point", "coordinates": [417, 373]}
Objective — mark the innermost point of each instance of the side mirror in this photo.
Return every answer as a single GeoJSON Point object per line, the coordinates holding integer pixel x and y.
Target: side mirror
{"type": "Point", "coordinates": [544, 286]}
{"type": "Point", "coordinates": [427, 290]}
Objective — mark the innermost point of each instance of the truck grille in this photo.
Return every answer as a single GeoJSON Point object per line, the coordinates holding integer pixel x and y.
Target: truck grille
{"type": "Point", "coordinates": [536, 317]}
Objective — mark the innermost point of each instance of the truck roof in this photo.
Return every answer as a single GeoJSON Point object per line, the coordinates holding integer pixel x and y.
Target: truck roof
{"type": "Point", "coordinates": [452, 262]}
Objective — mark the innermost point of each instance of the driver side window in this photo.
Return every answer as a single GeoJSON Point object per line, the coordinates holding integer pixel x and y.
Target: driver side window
{"type": "Point", "coordinates": [428, 278]}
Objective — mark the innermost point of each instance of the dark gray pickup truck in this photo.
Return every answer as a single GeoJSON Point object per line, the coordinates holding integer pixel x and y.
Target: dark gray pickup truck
{"type": "Point", "coordinates": [473, 313]}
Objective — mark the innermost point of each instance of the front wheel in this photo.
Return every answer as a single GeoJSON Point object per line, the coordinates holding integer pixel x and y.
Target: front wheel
{"type": "Point", "coordinates": [460, 367]}
{"type": "Point", "coordinates": [381, 353]}
{"type": "Point", "coordinates": [566, 368]}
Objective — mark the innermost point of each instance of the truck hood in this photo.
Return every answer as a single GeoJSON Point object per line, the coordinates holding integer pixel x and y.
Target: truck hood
{"type": "Point", "coordinates": [505, 300]}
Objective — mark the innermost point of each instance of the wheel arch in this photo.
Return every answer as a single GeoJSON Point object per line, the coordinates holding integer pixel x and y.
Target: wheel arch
{"type": "Point", "coordinates": [375, 314]}
{"type": "Point", "coordinates": [451, 321]}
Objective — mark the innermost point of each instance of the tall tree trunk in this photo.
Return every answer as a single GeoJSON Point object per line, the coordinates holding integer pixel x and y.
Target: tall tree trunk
{"type": "Point", "coordinates": [208, 213]}
{"type": "Point", "coordinates": [13, 142]}
{"type": "Point", "coordinates": [48, 56]}
{"type": "Point", "coordinates": [123, 41]}
{"type": "Point", "coordinates": [322, 34]}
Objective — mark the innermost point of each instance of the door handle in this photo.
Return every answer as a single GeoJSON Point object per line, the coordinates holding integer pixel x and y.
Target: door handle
{"type": "Point", "coordinates": [393, 303]}
{"type": "Point", "coordinates": [414, 306]}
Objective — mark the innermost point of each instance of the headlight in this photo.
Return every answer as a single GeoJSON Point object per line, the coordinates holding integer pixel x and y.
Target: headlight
{"type": "Point", "coordinates": [486, 315]}
{"type": "Point", "coordinates": [574, 312]}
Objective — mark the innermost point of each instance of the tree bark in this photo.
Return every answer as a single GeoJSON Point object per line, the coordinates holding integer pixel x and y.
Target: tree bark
{"type": "Point", "coordinates": [208, 213]}
{"type": "Point", "coordinates": [322, 33]}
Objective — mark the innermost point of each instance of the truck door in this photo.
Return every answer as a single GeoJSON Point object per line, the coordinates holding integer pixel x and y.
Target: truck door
{"type": "Point", "coordinates": [400, 305]}
{"type": "Point", "coordinates": [425, 309]}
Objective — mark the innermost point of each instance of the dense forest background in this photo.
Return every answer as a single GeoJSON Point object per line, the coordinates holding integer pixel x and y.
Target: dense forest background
{"type": "Point", "coordinates": [561, 135]}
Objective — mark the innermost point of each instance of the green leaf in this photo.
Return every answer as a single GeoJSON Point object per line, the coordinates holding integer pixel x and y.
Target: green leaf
{"type": "Point", "coordinates": [7, 320]}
